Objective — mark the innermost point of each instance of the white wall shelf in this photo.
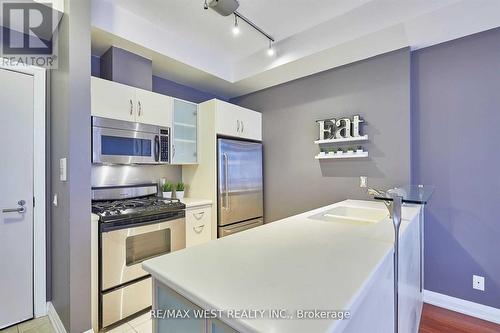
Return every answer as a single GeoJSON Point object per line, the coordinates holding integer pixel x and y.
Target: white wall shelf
{"type": "Point", "coordinates": [342, 140]}
{"type": "Point", "coordinates": [339, 156]}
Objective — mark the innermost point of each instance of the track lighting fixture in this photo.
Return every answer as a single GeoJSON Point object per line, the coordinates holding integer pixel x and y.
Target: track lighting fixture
{"type": "Point", "coordinates": [228, 7]}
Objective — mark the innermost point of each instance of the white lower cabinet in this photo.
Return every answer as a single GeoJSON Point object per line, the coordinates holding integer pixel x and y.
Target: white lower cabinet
{"type": "Point", "coordinates": [198, 225]}
{"type": "Point", "coordinates": [183, 315]}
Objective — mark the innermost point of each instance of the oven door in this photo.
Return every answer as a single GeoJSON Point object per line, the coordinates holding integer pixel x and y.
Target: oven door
{"type": "Point", "coordinates": [123, 250]}
{"type": "Point", "coordinates": [124, 146]}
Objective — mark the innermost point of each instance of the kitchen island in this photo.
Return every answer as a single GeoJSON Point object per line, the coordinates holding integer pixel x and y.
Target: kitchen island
{"type": "Point", "coordinates": [334, 262]}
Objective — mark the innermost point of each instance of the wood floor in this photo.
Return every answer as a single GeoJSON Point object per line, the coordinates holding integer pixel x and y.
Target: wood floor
{"type": "Point", "coordinates": [439, 320]}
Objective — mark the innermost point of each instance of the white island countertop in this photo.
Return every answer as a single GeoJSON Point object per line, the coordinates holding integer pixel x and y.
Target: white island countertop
{"type": "Point", "coordinates": [298, 263]}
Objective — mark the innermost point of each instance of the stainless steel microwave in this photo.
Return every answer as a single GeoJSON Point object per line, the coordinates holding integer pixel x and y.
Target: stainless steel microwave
{"type": "Point", "coordinates": [124, 142]}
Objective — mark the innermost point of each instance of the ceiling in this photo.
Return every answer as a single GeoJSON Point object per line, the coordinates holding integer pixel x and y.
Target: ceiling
{"type": "Point", "coordinates": [196, 47]}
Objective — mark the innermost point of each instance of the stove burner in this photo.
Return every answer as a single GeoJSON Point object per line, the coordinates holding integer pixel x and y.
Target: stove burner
{"type": "Point", "coordinates": [135, 206]}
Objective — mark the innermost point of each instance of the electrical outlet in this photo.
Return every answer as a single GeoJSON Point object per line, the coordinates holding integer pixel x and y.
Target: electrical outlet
{"type": "Point", "coordinates": [478, 282]}
{"type": "Point", "coordinates": [363, 181]}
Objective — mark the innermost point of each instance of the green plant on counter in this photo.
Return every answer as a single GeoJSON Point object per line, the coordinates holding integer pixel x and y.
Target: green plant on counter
{"type": "Point", "coordinates": [167, 187]}
{"type": "Point", "coordinates": [180, 187]}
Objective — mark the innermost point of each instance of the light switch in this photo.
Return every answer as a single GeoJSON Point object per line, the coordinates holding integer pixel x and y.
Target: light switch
{"type": "Point", "coordinates": [62, 170]}
{"type": "Point", "coordinates": [363, 181]}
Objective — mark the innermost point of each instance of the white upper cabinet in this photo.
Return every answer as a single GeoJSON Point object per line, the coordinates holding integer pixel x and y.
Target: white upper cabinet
{"type": "Point", "coordinates": [119, 101]}
{"type": "Point", "coordinates": [153, 108]}
{"type": "Point", "coordinates": [236, 121]}
{"type": "Point", "coordinates": [185, 133]}
{"type": "Point", "coordinates": [112, 100]}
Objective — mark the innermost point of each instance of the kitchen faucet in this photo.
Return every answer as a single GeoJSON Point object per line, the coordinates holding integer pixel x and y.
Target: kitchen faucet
{"type": "Point", "coordinates": [383, 194]}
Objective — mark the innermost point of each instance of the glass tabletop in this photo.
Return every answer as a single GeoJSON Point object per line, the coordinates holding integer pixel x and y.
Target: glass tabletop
{"type": "Point", "coordinates": [413, 194]}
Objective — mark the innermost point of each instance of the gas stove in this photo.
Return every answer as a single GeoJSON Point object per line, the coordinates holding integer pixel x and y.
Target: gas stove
{"type": "Point", "coordinates": [133, 204]}
{"type": "Point", "coordinates": [134, 225]}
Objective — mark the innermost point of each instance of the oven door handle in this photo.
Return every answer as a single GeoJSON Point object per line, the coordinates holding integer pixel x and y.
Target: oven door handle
{"type": "Point", "coordinates": [157, 148]}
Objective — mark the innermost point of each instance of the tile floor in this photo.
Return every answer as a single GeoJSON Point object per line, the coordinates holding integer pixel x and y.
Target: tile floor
{"type": "Point", "coordinates": [140, 324]}
{"type": "Point", "coordinates": [38, 325]}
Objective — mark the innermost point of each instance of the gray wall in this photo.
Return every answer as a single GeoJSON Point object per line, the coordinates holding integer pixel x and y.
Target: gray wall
{"type": "Point", "coordinates": [378, 89]}
{"type": "Point", "coordinates": [70, 138]}
{"type": "Point", "coordinates": [456, 144]}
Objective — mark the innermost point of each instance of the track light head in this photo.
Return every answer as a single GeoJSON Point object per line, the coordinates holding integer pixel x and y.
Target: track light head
{"type": "Point", "coordinates": [205, 5]}
{"type": "Point", "coordinates": [236, 28]}
{"type": "Point", "coordinates": [270, 51]}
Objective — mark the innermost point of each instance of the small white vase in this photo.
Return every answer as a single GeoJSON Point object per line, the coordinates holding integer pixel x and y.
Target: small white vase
{"type": "Point", "coordinates": [359, 151]}
{"type": "Point", "coordinates": [167, 195]}
{"type": "Point", "coordinates": [179, 195]}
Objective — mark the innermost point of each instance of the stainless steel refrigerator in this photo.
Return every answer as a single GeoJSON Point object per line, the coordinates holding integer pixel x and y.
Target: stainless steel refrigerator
{"type": "Point", "coordinates": [239, 186]}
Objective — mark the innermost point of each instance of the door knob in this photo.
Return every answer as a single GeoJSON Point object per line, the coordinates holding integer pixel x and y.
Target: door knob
{"type": "Point", "coordinates": [19, 210]}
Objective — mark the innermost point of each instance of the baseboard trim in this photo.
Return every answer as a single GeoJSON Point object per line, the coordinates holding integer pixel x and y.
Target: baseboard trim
{"type": "Point", "coordinates": [54, 318]}
{"type": "Point", "coordinates": [466, 307]}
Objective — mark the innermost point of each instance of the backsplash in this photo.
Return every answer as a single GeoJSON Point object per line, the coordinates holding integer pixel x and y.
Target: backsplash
{"type": "Point", "coordinates": [103, 175]}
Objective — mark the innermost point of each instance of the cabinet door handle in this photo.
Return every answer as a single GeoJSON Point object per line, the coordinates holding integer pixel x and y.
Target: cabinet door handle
{"type": "Point", "coordinates": [242, 126]}
{"type": "Point", "coordinates": [131, 107]}
{"type": "Point", "coordinates": [199, 228]}
{"type": "Point", "coordinates": [198, 215]}
{"type": "Point", "coordinates": [140, 107]}
{"type": "Point", "coordinates": [237, 126]}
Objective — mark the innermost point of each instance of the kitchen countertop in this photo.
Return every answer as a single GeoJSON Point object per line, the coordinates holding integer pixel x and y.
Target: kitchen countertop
{"type": "Point", "coordinates": [296, 263]}
{"type": "Point", "coordinates": [94, 217]}
{"type": "Point", "coordinates": [194, 202]}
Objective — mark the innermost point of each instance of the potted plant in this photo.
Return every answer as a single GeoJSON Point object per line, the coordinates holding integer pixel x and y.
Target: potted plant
{"type": "Point", "coordinates": [359, 149]}
{"type": "Point", "coordinates": [350, 150]}
{"type": "Point", "coordinates": [167, 190]}
{"type": "Point", "coordinates": [339, 151]}
{"type": "Point", "coordinates": [179, 190]}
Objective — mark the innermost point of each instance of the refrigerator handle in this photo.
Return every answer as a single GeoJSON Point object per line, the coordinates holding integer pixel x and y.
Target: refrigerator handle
{"type": "Point", "coordinates": [226, 186]}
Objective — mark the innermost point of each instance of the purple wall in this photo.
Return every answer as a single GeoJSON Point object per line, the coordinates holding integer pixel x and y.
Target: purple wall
{"type": "Point", "coordinates": [171, 88]}
{"type": "Point", "coordinates": [160, 85]}
{"type": "Point", "coordinates": [456, 146]}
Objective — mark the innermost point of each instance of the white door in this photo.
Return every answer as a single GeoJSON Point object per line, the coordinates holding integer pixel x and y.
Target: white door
{"type": "Point", "coordinates": [153, 108]}
{"type": "Point", "coordinates": [16, 197]}
{"type": "Point", "coordinates": [251, 124]}
{"type": "Point", "coordinates": [227, 119]}
{"type": "Point", "coordinates": [237, 121]}
{"type": "Point", "coordinates": [112, 100]}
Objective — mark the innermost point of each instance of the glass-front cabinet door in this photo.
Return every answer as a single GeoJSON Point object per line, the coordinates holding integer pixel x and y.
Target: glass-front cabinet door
{"type": "Point", "coordinates": [185, 133]}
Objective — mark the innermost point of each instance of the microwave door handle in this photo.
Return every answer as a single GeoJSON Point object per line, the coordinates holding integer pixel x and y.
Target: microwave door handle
{"type": "Point", "coordinates": [157, 148]}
